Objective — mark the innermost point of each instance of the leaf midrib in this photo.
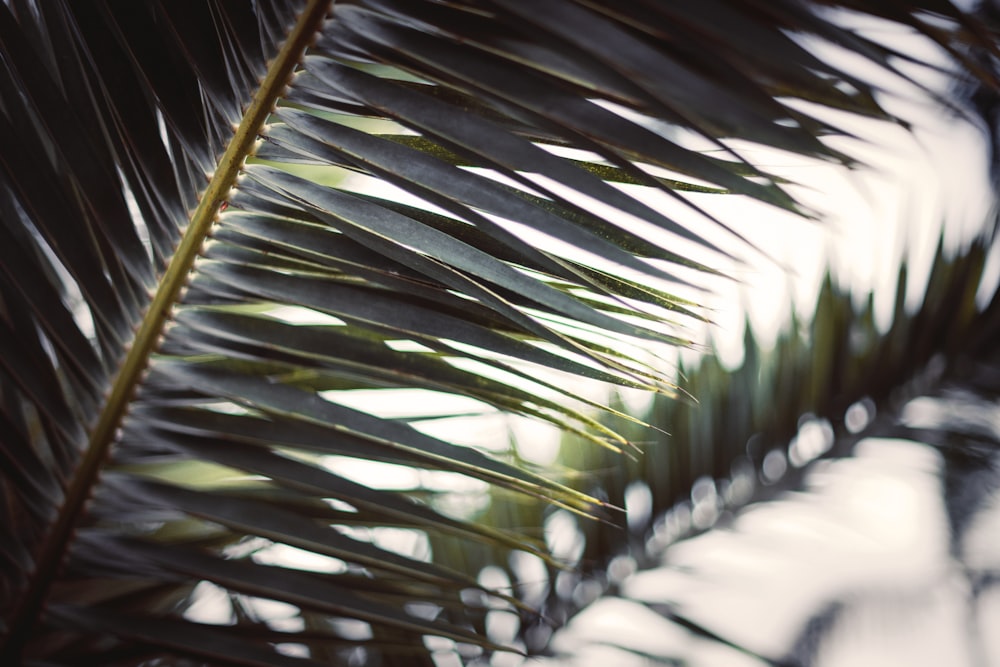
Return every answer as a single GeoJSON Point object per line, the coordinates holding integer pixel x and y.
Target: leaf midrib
{"type": "Point", "coordinates": [148, 335]}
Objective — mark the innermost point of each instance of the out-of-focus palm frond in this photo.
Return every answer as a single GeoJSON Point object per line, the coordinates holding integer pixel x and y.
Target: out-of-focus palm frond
{"type": "Point", "coordinates": [751, 434]}
{"type": "Point", "coordinates": [836, 368]}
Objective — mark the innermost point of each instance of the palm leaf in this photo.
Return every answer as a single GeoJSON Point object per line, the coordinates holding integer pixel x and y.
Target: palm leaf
{"type": "Point", "coordinates": [164, 426]}
{"type": "Point", "coordinates": [838, 364]}
{"type": "Point", "coordinates": [752, 438]}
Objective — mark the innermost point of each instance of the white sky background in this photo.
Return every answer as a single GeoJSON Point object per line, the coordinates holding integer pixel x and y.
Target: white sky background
{"type": "Point", "coordinates": [912, 184]}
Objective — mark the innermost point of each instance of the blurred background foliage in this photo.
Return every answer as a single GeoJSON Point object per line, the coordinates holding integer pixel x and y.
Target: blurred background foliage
{"type": "Point", "coordinates": [750, 434]}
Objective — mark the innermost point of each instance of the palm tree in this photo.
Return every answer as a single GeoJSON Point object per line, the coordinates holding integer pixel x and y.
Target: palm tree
{"type": "Point", "coordinates": [191, 290]}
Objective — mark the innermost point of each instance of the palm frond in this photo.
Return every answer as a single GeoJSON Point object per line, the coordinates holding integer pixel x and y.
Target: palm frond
{"type": "Point", "coordinates": [167, 427]}
{"type": "Point", "coordinates": [747, 445]}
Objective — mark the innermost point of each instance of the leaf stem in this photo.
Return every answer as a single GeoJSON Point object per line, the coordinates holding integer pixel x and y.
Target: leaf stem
{"type": "Point", "coordinates": [148, 335]}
